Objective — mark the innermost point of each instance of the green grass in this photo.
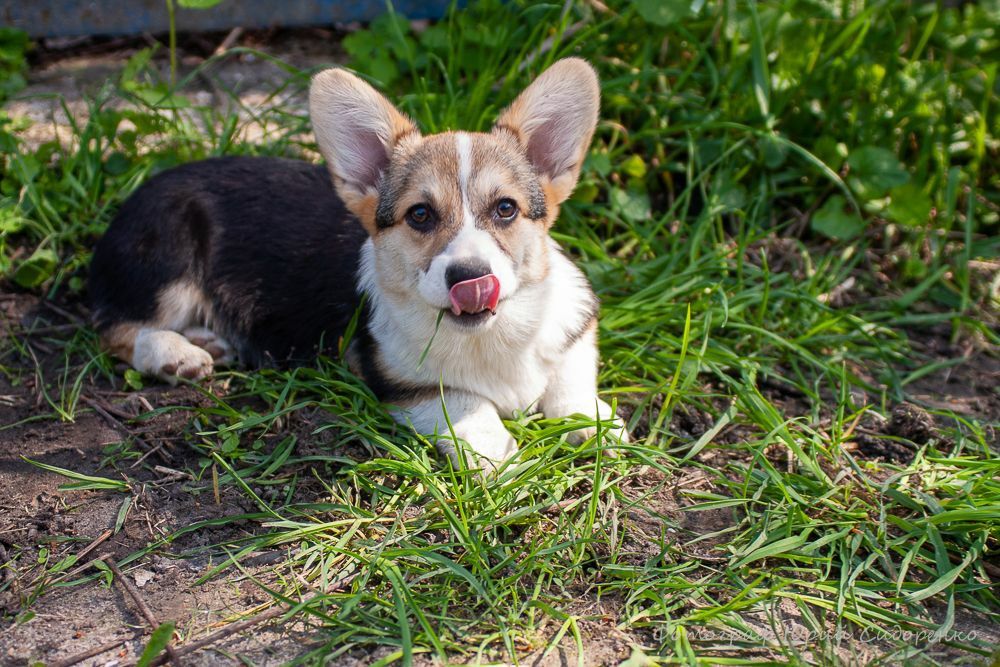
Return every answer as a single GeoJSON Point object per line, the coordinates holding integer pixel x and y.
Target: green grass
{"type": "Point", "coordinates": [752, 161]}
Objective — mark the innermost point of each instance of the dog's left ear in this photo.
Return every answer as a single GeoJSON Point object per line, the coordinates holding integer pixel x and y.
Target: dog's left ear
{"type": "Point", "coordinates": [554, 120]}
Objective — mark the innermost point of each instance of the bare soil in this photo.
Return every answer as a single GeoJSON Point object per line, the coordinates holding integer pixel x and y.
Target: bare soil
{"type": "Point", "coordinates": [39, 524]}
{"type": "Point", "coordinates": [36, 517]}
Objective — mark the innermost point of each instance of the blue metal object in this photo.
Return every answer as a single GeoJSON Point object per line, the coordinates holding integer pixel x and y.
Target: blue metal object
{"type": "Point", "coordinates": [63, 18]}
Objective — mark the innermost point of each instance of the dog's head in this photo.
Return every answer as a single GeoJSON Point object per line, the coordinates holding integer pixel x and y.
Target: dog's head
{"type": "Point", "coordinates": [458, 220]}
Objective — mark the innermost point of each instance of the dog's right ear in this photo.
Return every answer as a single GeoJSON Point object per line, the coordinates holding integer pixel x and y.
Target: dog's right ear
{"type": "Point", "coordinates": [357, 130]}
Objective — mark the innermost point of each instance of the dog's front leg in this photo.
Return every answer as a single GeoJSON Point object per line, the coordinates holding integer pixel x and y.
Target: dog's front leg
{"type": "Point", "coordinates": [473, 419]}
{"type": "Point", "coordinates": [572, 389]}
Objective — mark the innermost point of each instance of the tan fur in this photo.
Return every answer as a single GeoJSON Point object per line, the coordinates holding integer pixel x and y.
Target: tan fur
{"type": "Point", "coordinates": [540, 110]}
{"type": "Point", "coordinates": [177, 307]}
{"type": "Point", "coordinates": [553, 197]}
{"type": "Point", "coordinates": [119, 340]}
{"type": "Point", "coordinates": [335, 97]}
{"type": "Point", "coordinates": [428, 175]}
{"type": "Point", "coordinates": [180, 305]}
{"type": "Point", "coordinates": [362, 205]}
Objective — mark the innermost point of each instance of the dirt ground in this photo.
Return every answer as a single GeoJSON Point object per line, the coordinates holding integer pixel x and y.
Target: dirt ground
{"type": "Point", "coordinates": [68, 621]}
{"type": "Point", "coordinates": [71, 71]}
{"type": "Point", "coordinates": [38, 521]}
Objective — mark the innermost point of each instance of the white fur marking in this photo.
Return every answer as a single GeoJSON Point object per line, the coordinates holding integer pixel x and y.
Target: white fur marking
{"type": "Point", "coordinates": [572, 390]}
{"type": "Point", "coordinates": [181, 305]}
{"type": "Point", "coordinates": [474, 420]}
{"type": "Point", "coordinates": [217, 346]}
{"type": "Point", "coordinates": [169, 355]}
{"type": "Point", "coordinates": [471, 242]}
{"type": "Point", "coordinates": [464, 147]}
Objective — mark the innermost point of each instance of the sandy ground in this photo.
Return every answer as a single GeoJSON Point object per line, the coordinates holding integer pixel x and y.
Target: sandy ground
{"type": "Point", "coordinates": [61, 80]}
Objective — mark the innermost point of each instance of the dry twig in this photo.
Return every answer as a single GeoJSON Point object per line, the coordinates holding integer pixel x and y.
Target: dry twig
{"type": "Point", "coordinates": [90, 653]}
{"type": "Point", "coordinates": [144, 609]}
{"type": "Point", "coordinates": [114, 423]}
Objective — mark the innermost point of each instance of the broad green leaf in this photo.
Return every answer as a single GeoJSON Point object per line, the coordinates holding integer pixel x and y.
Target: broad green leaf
{"type": "Point", "coordinates": [157, 642]}
{"type": "Point", "coordinates": [663, 12]}
{"type": "Point", "coordinates": [133, 379]}
{"type": "Point", "coordinates": [632, 204]}
{"type": "Point", "coordinates": [599, 162]}
{"type": "Point", "coordinates": [726, 194]}
{"type": "Point", "coordinates": [875, 171]}
{"type": "Point", "coordinates": [634, 166]}
{"type": "Point", "coordinates": [11, 220]}
{"type": "Point", "coordinates": [832, 221]}
{"type": "Point", "coordinates": [909, 205]}
{"type": "Point", "coordinates": [116, 164]}
{"type": "Point", "coordinates": [106, 574]}
{"type": "Point", "coordinates": [38, 268]}
{"type": "Point", "coordinates": [586, 192]}
{"type": "Point", "coordinates": [383, 67]}
{"type": "Point", "coordinates": [435, 38]}
{"type": "Point", "coordinates": [830, 151]}
{"type": "Point", "coordinates": [773, 152]}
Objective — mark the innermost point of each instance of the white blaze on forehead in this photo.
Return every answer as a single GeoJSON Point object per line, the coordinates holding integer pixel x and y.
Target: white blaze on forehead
{"type": "Point", "coordinates": [470, 242]}
{"type": "Point", "coordinates": [463, 146]}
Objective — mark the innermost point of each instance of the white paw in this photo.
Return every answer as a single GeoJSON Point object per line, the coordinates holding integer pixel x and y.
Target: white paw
{"type": "Point", "coordinates": [169, 356]}
{"type": "Point", "coordinates": [612, 425]}
{"type": "Point", "coordinates": [217, 346]}
{"type": "Point", "coordinates": [483, 450]}
{"type": "Point", "coordinates": [614, 430]}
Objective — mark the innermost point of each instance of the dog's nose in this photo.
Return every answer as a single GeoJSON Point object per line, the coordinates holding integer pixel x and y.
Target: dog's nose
{"type": "Point", "coordinates": [466, 269]}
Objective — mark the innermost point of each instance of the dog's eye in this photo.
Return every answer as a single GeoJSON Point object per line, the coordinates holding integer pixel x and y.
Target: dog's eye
{"type": "Point", "coordinates": [506, 209]}
{"type": "Point", "coordinates": [420, 217]}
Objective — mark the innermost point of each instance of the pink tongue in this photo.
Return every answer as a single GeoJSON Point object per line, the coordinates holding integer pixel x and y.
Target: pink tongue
{"type": "Point", "coordinates": [476, 295]}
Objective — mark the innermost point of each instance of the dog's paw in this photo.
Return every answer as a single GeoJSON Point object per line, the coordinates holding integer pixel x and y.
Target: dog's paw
{"type": "Point", "coordinates": [614, 430]}
{"type": "Point", "coordinates": [170, 356]}
{"type": "Point", "coordinates": [613, 427]}
{"type": "Point", "coordinates": [217, 346]}
{"type": "Point", "coordinates": [485, 450]}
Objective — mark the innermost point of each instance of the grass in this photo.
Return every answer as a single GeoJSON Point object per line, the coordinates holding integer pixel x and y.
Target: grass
{"type": "Point", "coordinates": [754, 162]}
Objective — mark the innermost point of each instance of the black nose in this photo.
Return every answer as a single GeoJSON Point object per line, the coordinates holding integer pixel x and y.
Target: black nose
{"type": "Point", "coordinates": [465, 269]}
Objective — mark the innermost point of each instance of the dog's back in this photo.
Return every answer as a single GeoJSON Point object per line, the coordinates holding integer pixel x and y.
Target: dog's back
{"type": "Point", "coordinates": [261, 250]}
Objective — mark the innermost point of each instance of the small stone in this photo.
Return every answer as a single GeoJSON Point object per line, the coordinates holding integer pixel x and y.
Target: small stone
{"type": "Point", "coordinates": [142, 577]}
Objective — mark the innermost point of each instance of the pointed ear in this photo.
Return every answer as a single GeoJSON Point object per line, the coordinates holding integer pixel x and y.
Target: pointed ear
{"type": "Point", "coordinates": [357, 130]}
{"type": "Point", "coordinates": [554, 119]}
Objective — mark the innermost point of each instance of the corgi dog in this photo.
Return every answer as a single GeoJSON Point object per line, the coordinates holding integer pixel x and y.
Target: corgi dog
{"type": "Point", "coordinates": [467, 309]}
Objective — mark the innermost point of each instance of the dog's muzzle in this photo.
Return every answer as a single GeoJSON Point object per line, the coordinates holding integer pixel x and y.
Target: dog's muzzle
{"type": "Point", "coordinates": [473, 288]}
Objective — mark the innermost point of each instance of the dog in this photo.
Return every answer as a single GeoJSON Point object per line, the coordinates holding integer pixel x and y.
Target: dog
{"type": "Point", "coordinates": [434, 249]}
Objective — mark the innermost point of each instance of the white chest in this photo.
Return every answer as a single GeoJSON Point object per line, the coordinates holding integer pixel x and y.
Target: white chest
{"type": "Point", "coordinates": [510, 361]}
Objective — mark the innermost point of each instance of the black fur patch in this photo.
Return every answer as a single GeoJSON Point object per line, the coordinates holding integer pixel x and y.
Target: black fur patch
{"type": "Point", "coordinates": [536, 202]}
{"type": "Point", "coordinates": [266, 239]}
{"type": "Point", "coordinates": [385, 211]}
